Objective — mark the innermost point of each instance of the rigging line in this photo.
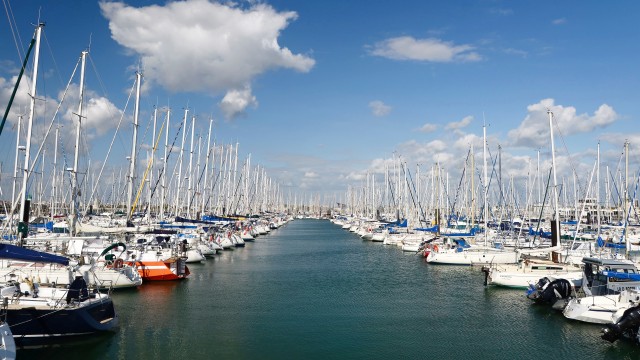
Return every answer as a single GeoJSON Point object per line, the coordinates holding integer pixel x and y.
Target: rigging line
{"type": "Point", "coordinates": [144, 177]}
{"type": "Point", "coordinates": [166, 160]}
{"type": "Point", "coordinates": [412, 189]}
{"type": "Point", "coordinates": [95, 186]}
{"type": "Point", "coordinates": [635, 211]}
{"type": "Point", "coordinates": [200, 179]}
{"type": "Point", "coordinates": [544, 201]}
{"type": "Point", "coordinates": [215, 182]}
{"type": "Point", "coordinates": [253, 192]}
{"type": "Point", "coordinates": [501, 193]}
{"type": "Point", "coordinates": [628, 212]}
{"type": "Point", "coordinates": [53, 59]}
{"type": "Point", "coordinates": [13, 25]}
{"type": "Point", "coordinates": [55, 115]}
{"type": "Point", "coordinates": [462, 176]}
{"type": "Point", "coordinates": [15, 89]}
{"type": "Point", "coordinates": [564, 145]}
{"type": "Point", "coordinates": [615, 187]}
{"type": "Point", "coordinates": [146, 130]}
{"type": "Point", "coordinates": [235, 192]}
{"type": "Point", "coordinates": [35, 160]}
{"type": "Point", "coordinates": [584, 205]}
{"type": "Point", "coordinates": [488, 185]}
{"type": "Point", "coordinates": [98, 77]}
{"type": "Point", "coordinates": [123, 189]}
{"type": "Point", "coordinates": [390, 184]}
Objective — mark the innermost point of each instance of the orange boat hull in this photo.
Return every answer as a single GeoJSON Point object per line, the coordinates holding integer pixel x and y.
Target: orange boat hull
{"type": "Point", "coordinates": [158, 271]}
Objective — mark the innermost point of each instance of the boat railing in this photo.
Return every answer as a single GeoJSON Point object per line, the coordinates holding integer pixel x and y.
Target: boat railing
{"type": "Point", "coordinates": [99, 284]}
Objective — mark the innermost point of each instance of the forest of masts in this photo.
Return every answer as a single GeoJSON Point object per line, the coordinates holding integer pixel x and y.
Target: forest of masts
{"type": "Point", "coordinates": [427, 198]}
{"type": "Point", "coordinates": [189, 175]}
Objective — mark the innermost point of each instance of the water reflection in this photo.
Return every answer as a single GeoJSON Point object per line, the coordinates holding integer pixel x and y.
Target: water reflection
{"type": "Point", "coordinates": [86, 347]}
{"type": "Point", "coordinates": [315, 291]}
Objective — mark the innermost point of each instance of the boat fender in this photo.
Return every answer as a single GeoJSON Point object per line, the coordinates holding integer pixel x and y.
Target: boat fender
{"type": "Point", "coordinates": [118, 263]}
{"type": "Point", "coordinates": [435, 248]}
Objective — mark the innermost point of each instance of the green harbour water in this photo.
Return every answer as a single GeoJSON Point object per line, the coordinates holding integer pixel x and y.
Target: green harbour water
{"type": "Point", "coordinates": [311, 290]}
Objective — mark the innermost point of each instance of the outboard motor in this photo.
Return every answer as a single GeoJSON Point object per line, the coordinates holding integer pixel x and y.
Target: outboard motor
{"type": "Point", "coordinates": [554, 292]}
{"type": "Point", "coordinates": [627, 325]}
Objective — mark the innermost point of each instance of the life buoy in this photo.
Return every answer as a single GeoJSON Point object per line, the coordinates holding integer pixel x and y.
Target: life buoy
{"type": "Point", "coordinates": [118, 263]}
{"type": "Point", "coordinates": [435, 248]}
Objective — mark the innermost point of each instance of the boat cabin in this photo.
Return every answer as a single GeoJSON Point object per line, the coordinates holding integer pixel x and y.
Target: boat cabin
{"type": "Point", "coordinates": [609, 276]}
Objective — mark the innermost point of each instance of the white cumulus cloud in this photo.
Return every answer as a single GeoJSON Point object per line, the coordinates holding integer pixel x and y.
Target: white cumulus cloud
{"type": "Point", "coordinates": [534, 129]}
{"type": "Point", "coordinates": [99, 113]}
{"type": "Point", "coordinates": [200, 45]}
{"type": "Point", "coordinates": [431, 49]}
{"type": "Point", "coordinates": [236, 101]}
{"type": "Point", "coordinates": [559, 21]}
{"type": "Point", "coordinates": [378, 108]}
{"type": "Point", "coordinates": [428, 128]}
{"type": "Point", "coordinates": [457, 125]}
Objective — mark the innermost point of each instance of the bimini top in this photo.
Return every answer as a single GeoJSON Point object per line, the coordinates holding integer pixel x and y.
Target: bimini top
{"type": "Point", "coordinates": [613, 264]}
{"type": "Point", "coordinates": [8, 251]}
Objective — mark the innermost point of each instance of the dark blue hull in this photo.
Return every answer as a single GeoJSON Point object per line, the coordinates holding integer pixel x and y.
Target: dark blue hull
{"type": "Point", "coordinates": [34, 325]}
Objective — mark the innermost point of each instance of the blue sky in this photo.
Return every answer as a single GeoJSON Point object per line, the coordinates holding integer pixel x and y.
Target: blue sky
{"type": "Point", "coordinates": [320, 92]}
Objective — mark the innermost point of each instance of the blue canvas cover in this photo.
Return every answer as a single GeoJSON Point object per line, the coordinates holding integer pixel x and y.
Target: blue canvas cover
{"type": "Point", "coordinates": [8, 251]}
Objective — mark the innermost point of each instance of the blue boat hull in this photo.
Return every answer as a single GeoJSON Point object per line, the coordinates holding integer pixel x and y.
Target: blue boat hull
{"type": "Point", "coordinates": [32, 325]}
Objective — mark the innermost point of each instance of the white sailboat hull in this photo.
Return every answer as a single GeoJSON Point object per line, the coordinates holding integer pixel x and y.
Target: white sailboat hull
{"type": "Point", "coordinates": [473, 257]}
{"type": "Point", "coordinates": [522, 279]}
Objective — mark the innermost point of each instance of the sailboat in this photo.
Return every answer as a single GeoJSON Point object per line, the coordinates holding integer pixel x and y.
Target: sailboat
{"type": "Point", "coordinates": [461, 253]}
{"type": "Point", "coordinates": [530, 271]}
{"type": "Point", "coordinates": [36, 313]}
{"type": "Point", "coordinates": [611, 286]}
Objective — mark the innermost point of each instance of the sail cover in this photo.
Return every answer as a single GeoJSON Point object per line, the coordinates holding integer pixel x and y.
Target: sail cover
{"type": "Point", "coordinates": [8, 251]}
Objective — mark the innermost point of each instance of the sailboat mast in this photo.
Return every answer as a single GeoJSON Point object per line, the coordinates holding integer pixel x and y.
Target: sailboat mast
{"type": "Point", "coordinates": [15, 165]}
{"type": "Point", "coordinates": [598, 189]}
{"type": "Point", "coordinates": [486, 183]}
{"type": "Point", "coordinates": [74, 174]}
{"type": "Point", "coordinates": [235, 173]}
{"type": "Point", "coordinates": [32, 108]}
{"type": "Point", "coordinates": [54, 184]}
{"type": "Point", "coordinates": [626, 198]}
{"type": "Point", "coordinates": [555, 179]}
{"type": "Point", "coordinates": [206, 168]}
{"type": "Point", "coordinates": [472, 171]}
{"type": "Point", "coordinates": [134, 143]}
{"type": "Point", "coordinates": [179, 182]}
{"type": "Point", "coordinates": [190, 171]}
{"type": "Point", "coordinates": [164, 166]}
{"type": "Point", "coordinates": [153, 157]}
